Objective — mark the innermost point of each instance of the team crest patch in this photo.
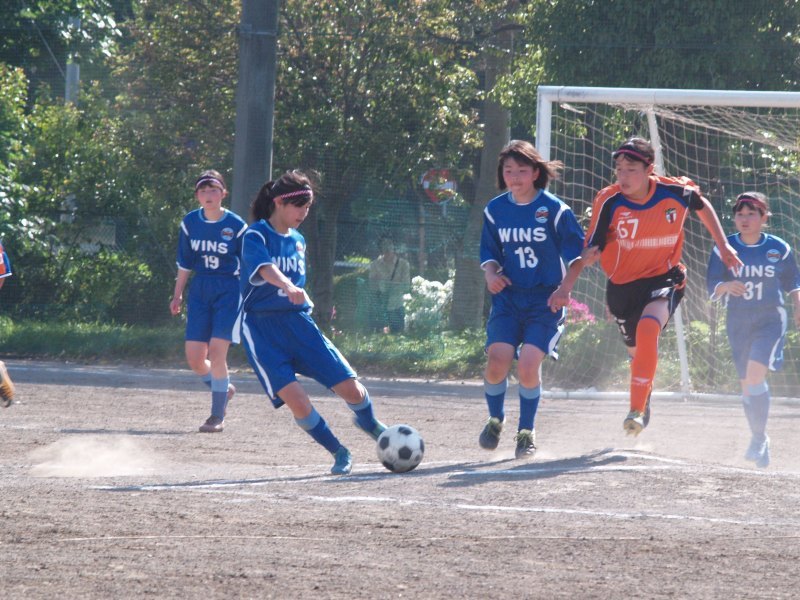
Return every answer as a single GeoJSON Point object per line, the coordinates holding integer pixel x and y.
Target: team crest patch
{"type": "Point", "coordinates": [300, 248]}
{"type": "Point", "coordinates": [541, 215]}
{"type": "Point", "coordinates": [671, 215]}
{"type": "Point", "coordinates": [773, 256]}
{"type": "Point", "coordinates": [227, 234]}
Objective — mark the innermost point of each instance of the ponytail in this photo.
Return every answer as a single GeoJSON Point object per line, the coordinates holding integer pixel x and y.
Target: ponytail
{"type": "Point", "coordinates": [264, 204]}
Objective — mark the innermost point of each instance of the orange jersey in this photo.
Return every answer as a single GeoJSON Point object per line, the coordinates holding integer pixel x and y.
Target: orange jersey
{"type": "Point", "coordinates": [639, 240]}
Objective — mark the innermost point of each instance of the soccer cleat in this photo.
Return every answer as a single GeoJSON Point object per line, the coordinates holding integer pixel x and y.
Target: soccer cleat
{"type": "Point", "coordinates": [758, 451]}
{"type": "Point", "coordinates": [526, 443]}
{"type": "Point", "coordinates": [376, 430]}
{"type": "Point", "coordinates": [490, 436]}
{"type": "Point", "coordinates": [343, 462]}
{"type": "Point", "coordinates": [646, 415]}
{"type": "Point", "coordinates": [6, 386]}
{"type": "Point", "coordinates": [763, 460]}
{"type": "Point", "coordinates": [212, 425]}
{"type": "Point", "coordinates": [634, 422]}
{"type": "Point", "coordinates": [754, 449]}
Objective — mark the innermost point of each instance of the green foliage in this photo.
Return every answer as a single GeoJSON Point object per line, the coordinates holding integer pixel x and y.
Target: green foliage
{"type": "Point", "coordinates": [39, 36]}
{"type": "Point", "coordinates": [78, 183]}
{"type": "Point", "coordinates": [350, 301]}
{"type": "Point", "coordinates": [13, 97]}
{"type": "Point", "coordinates": [444, 355]}
{"type": "Point", "coordinates": [698, 44]}
{"type": "Point", "coordinates": [92, 341]}
{"type": "Point", "coordinates": [178, 74]}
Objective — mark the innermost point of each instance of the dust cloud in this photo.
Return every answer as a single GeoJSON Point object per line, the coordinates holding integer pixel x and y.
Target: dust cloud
{"type": "Point", "coordinates": [93, 457]}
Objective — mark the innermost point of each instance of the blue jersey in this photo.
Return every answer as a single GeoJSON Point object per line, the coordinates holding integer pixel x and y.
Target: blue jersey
{"type": "Point", "coordinates": [769, 270]}
{"type": "Point", "coordinates": [211, 247]}
{"type": "Point", "coordinates": [262, 245]}
{"type": "Point", "coordinates": [531, 242]}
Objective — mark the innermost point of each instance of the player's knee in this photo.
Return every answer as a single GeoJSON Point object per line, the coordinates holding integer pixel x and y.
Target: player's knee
{"type": "Point", "coordinates": [351, 390]}
{"type": "Point", "coordinates": [496, 370]}
{"type": "Point", "coordinates": [529, 373]}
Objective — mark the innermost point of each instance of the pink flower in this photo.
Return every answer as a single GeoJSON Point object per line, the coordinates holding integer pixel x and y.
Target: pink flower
{"type": "Point", "coordinates": [577, 312]}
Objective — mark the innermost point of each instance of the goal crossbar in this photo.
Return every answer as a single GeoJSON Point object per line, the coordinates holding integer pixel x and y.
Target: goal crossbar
{"type": "Point", "coordinates": [548, 94]}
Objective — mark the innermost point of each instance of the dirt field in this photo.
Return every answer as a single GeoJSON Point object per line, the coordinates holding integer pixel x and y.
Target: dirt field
{"type": "Point", "coordinates": [108, 491]}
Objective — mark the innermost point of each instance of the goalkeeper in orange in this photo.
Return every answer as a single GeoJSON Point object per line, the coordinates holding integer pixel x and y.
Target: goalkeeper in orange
{"type": "Point", "coordinates": [636, 232]}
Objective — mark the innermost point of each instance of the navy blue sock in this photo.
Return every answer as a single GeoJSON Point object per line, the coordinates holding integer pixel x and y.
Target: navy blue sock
{"type": "Point", "coordinates": [528, 405]}
{"type": "Point", "coordinates": [759, 400]}
{"type": "Point", "coordinates": [206, 379]}
{"type": "Point", "coordinates": [495, 398]}
{"type": "Point", "coordinates": [315, 426]}
{"type": "Point", "coordinates": [219, 396]}
{"type": "Point", "coordinates": [365, 415]}
{"type": "Point", "coordinates": [748, 412]}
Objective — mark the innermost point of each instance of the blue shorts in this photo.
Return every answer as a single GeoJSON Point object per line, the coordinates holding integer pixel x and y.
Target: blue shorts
{"type": "Point", "coordinates": [281, 344]}
{"type": "Point", "coordinates": [758, 337]}
{"type": "Point", "coordinates": [523, 317]}
{"type": "Point", "coordinates": [212, 309]}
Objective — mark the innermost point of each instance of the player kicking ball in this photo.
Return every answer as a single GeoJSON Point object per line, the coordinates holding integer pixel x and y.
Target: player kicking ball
{"type": "Point", "coordinates": [756, 317]}
{"type": "Point", "coordinates": [278, 332]}
{"type": "Point", "coordinates": [636, 233]}
{"type": "Point", "coordinates": [529, 237]}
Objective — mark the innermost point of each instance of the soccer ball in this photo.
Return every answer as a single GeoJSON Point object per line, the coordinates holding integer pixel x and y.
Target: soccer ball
{"type": "Point", "coordinates": [400, 448]}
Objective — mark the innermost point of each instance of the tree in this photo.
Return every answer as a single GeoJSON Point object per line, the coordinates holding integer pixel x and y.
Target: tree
{"type": "Point", "coordinates": [175, 78]}
{"type": "Point", "coordinates": [13, 98]}
{"type": "Point", "coordinates": [39, 36]}
{"type": "Point", "coordinates": [697, 44]}
{"type": "Point", "coordinates": [496, 48]}
{"type": "Point", "coordinates": [363, 94]}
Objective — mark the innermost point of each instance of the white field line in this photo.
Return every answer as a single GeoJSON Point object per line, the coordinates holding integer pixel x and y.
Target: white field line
{"type": "Point", "coordinates": [302, 475]}
{"type": "Point", "coordinates": [247, 488]}
{"type": "Point", "coordinates": [460, 506]}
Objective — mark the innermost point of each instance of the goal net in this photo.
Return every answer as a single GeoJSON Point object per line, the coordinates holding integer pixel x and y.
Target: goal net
{"type": "Point", "coordinates": [728, 143]}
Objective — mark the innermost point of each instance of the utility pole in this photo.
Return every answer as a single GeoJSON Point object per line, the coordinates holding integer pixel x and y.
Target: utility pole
{"type": "Point", "coordinates": [73, 75]}
{"type": "Point", "coordinates": [255, 101]}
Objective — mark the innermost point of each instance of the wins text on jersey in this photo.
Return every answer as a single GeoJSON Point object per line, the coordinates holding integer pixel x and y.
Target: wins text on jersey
{"type": "Point", "coordinates": [209, 246]}
{"type": "Point", "coordinates": [290, 264]}
{"type": "Point", "coordinates": [769, 272]}
{"type": "Point", "coordinates": [521, 234]}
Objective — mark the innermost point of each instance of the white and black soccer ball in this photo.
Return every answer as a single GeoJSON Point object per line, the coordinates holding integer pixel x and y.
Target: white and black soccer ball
{"type": "Point", "coordinates": [400, 448]}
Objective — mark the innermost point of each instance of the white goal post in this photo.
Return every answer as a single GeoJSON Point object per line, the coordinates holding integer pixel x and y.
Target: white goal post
{"type": "Point", "coordinates": [727, 142]}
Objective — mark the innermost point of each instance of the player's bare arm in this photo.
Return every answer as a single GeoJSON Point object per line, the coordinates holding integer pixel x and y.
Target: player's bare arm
{"type": "Point", "coordinates": [495, 280]}
{"type": "Point", "coordinates": [734, 288]}
{"type": "Point", "coordinates": [177, 295]}
{"type": "Point", "coordinates": [590, 255]}
{"type": "Point", "coordinates": [271, 274]}
{"type": "Point", "coordinates": [561, 296]}
{"type": "Point", "coordinates": [711, 222]}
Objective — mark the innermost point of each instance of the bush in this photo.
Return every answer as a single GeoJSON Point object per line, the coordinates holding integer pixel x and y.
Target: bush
{"type": "Point", "coordinates": [428, 305]}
